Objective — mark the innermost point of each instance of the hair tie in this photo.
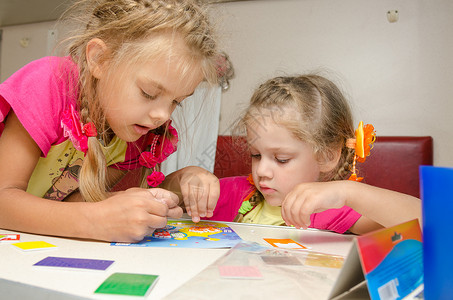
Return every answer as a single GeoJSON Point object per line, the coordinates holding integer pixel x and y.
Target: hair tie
{"type": "Point", "coordinates": [89, 129]}
{"type": "Point", "coordinates": [75, 130]}
{"type": "Point", "coordinates": [365, 137]}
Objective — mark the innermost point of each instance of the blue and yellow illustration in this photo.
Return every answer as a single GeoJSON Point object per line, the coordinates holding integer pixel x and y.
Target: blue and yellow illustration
{"type": "Point", "coordinates": [187, 234]}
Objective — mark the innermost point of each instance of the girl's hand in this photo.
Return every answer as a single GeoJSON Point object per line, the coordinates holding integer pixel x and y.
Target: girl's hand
{"type": "Point", "coordinates": [170, 199]}
{"type": "Point", "coordinates": [308, 198]}
{"type": "Point", "coordinates": [131, 215]}
{"type": "Point", "coordinates": [200, 192]}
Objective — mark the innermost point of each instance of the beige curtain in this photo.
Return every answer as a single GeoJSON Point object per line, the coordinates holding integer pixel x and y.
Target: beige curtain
{"type": "Point", "coordinates": [197, 122]}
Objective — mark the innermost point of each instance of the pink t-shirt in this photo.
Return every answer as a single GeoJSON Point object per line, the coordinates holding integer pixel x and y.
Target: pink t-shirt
{"type": "Point", "coordinates": [38, 94]}
{"type": "Point", "coordinates": [233, 190]}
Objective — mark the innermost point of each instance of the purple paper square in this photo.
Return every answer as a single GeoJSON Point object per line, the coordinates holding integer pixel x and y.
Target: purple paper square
{"type": "Point", "coordinates": [75, 263]}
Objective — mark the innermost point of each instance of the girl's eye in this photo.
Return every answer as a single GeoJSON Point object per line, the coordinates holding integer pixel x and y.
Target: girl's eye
{"type": "Point", "coordinates": [255, 156]}
{"type": "Point", "coordinates": [177, 103]}
{"type": "Point", "coordinates": [281, 161]}
{"type": "Point", "coordinates": [147, 96]}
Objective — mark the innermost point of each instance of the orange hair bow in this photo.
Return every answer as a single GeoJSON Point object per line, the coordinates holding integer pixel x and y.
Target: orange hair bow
{"type": "Point", "coordinates": [365, 137]}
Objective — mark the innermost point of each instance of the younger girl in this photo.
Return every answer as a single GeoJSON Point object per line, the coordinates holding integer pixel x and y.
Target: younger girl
{"type": "Point", "coordinates": [301, 138]}
{"type": "Point", "coordinates": [74, 125]}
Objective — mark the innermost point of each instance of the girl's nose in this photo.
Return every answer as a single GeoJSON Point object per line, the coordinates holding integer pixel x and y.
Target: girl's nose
{"type": "Point", "coordinates": [160, 115]}
{"type": "Point", "coordinates": [263, 168]}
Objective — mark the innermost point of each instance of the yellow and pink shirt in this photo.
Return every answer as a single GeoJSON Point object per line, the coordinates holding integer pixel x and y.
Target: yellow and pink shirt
{"type": "Point", "coordinates": [38, 94]}
{"type": "Point", "coordinates": [234, 190]}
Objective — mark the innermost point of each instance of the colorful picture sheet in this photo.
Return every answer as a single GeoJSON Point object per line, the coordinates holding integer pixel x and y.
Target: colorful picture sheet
{"type": "Point", "coordinates": [187, 234]}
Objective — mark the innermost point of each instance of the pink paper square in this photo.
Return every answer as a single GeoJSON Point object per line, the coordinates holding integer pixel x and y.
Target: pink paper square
{"type": "Point", "coordinates": [248, 272]}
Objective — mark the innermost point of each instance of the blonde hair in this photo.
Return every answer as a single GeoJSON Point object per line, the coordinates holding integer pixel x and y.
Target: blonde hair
{"type": "Point", "coordinates": [323, 117]}
{"type": "Point", "coordinates": [125, 26]}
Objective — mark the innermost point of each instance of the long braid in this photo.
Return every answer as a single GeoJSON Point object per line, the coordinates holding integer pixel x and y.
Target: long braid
{"type": "Point", "coordinates": [345, 164]}
{"type": "Point", "coordinates": [92, 176]}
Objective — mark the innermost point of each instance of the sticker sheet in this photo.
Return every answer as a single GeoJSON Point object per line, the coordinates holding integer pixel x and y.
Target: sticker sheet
{"type": "Point", "coordinates": [187, 234]}
{"type": "Point", "coordinates": [253, 271]}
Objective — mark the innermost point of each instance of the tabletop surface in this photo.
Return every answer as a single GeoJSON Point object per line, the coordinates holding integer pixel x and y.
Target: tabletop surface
{"type": "Point", "coordinates": [175, 266]}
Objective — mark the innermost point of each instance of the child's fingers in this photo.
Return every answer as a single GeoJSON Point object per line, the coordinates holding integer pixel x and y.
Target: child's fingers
{"type": "Point", "coordinates": [213, 197]}
{"type": "Point", "coordinates": [303, 214]}
{"type": "Point", "coordinates": [293, 212]}
{"type": "Point", "coordinates": [175, 212]}
{"type": "Point", "coordinates": [155, 221]}
{"type": "Point", "coordinates": [145, 225]}
{"type": "Point", "coordinates": [295, 215]}
{"type": "Point", "coordinates": [158, 202]}
{"type": "Point", "coordinates": [286, 217]}
{"type": "Point", "coordinates": [153, 206]}
{"type": "Point", "coordinates": [202, 201]}
{"type": "Point", "coordinates": [286, 211]}
{"type": "Point", "coordinates": [169, 198]}
{"type": "Point", "coordinates": [195, 192]}
{"type": "Point", "coordinates": [185, 198]}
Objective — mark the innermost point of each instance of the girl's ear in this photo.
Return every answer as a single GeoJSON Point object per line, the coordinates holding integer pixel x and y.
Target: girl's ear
{"type": "Point", "coordinates": [95, 52]}
{"type": "Point", "coordinates": [329, 160]}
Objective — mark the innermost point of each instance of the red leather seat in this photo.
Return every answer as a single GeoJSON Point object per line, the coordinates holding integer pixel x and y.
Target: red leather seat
{"type": "Point", "coordinates": [232, 157]}
{"type": "Point", "coordinates": [393, 164]}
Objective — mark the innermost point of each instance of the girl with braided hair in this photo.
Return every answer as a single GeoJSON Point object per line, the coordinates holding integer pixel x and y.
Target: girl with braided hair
{"type": "Point", "coordinates": [72, 126]}
{"type": "Point", "coordinates": [303, 146]}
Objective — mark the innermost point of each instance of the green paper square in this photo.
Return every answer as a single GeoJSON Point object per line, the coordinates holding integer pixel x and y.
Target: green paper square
{"type": "Point", "coordinates": [127, 284]}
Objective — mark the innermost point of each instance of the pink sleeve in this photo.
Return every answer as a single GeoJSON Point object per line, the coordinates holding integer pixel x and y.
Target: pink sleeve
{"type": "Point", "coordinates": [232, 191]}
{"type": "Point", "coordinates": [37, 94]}
{"type": "Point", "coordinates": [338, 220]}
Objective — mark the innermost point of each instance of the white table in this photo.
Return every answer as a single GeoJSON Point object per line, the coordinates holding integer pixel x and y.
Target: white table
{"type": "Point", "coordinates": [19, 279]}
